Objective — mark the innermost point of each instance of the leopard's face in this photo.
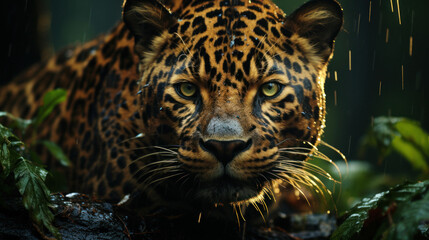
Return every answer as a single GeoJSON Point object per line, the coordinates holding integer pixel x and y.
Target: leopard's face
{"type": "Point", "coordinates": [226, 86]}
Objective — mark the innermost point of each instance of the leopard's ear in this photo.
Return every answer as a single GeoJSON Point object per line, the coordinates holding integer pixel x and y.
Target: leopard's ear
{"type": "Point", "coordinates": [319, 21]}
{"type": "Point", "coordinates": [147, 19]}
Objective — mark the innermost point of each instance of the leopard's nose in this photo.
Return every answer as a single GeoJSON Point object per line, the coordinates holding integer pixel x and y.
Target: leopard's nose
{"type": "Point", "coordinates": [225, 151]}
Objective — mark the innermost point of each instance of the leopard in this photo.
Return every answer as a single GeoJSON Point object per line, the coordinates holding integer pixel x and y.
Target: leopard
{"type": "Point", "coordinates": [188, 105]}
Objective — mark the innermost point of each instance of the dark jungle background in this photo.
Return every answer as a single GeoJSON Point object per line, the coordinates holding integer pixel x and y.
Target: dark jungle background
{"type": "Point", "coordinates": [380, 66]}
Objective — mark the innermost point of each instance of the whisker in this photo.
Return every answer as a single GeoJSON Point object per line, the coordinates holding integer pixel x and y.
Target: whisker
{"type": "Point", "coordinates": [161, 169]}
{"type": "Point", "coordinates": [167, 161]}
{"type": "Point", "coordinates": [234, 209]}
{"type": "Point", "coordinates": [307, 166]}
{"type": "Point", "coordinates": [166, 154]}
{"type": "Point", "coordinates": [241, 212]}
{"type": "Point", "coordinates": [166, 149]}
{"type": "Point", "coordinates": [183, 42]}
{"type": "Point", "coordinates": [337, 151]}
{"type": "Point", "coordinates": [185, 177]}
{"type": "Point", "coordinates": [287, 139]}
{"type": "Point", "coordinates": [255, 205]}
{"type": "Point", "coordinates": [315, 154]}
{"type": "Point", "coordinates": [308, 179]}
{"type": "Point", "coordinates": [159, 180]}
{"type": "Point", "coordinates": [298, 188]}
{"type": "Point", "coordinates": [305, 173]}
{"type": "Point", "coordinates": [150, 147]}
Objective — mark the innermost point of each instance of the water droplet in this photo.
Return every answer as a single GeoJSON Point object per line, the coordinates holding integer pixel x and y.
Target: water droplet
{"type": "Point", "coordinates": [232, 43]}
{"type": "Point", "coordinates": [139, 135]}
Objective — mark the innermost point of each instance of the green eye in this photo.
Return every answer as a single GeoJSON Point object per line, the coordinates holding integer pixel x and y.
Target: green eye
{"type": "Point", "coordinates": [188, 89]}
{"type": "Point", "coordinates": [270, 89]}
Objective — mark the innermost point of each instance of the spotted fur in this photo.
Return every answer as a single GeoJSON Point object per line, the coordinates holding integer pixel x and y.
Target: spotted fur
{"type": "Point", "coordinates": [128, 128]}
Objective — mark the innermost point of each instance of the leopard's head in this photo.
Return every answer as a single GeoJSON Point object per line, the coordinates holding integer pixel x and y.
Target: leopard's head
{"type": "Point", "coordinates": [226, 86]}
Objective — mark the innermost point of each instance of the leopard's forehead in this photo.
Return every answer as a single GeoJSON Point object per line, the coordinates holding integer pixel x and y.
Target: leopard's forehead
{"type": "Point", "coordinates": [234, 43]}
{"type": "Point", "coordinates": [232, 18]}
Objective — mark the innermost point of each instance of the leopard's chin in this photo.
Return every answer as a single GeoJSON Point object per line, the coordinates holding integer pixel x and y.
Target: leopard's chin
{"type": "Point", "coordinates": [226, 191]}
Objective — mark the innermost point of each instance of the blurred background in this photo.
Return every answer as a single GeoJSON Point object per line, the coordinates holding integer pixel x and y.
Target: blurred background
{"type": "Point", "coordinates": [380, 68]}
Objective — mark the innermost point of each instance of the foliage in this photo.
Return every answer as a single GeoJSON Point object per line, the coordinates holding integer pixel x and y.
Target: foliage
{"type": "Point", "coordinates": [400, 135]}
{"type": "Point", "coordinates": [19, 123]}
{"type": "Point", "coordinates": [399, 213]}
{"type": "Point", "coordinates": [403, 211]}
{"type": "Point", "coordinates": [57, 152]}
{"type": "Point", "coordinates": [50, 100]}
{"type": "Point", "coordinates": [29, 176]}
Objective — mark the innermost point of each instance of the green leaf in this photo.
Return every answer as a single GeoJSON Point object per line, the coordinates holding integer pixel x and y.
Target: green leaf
{"type": "Point", "coordinates": [29, 177]}
{"type": "Point", "coordinates": [57, 152]}
{"type": "Point", "coordinates": [5, 159]}
{"type": "Point", "coordinates": [9, 144]}
{"type": "Point", "coordinates": [406, 219]}
{"type": "Point", "coordinates": [401, 195]}
{"type": "Point", "coordinates": [410, 152]}
{"type": "Point", "coordinates": [50, 100]}
{"type": "Point", "coordinates": [412, 132]}
{"type": "Point", "coordinates": [401, 135]}
{"type": "Point", "coordinates": [21, 124]}
{"type": "Point", "coordinates": [5, 133]}
{"type": "Point", "coordinates": [356, 218]}
{"type": "Point", "coordinates": [35, 195]}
